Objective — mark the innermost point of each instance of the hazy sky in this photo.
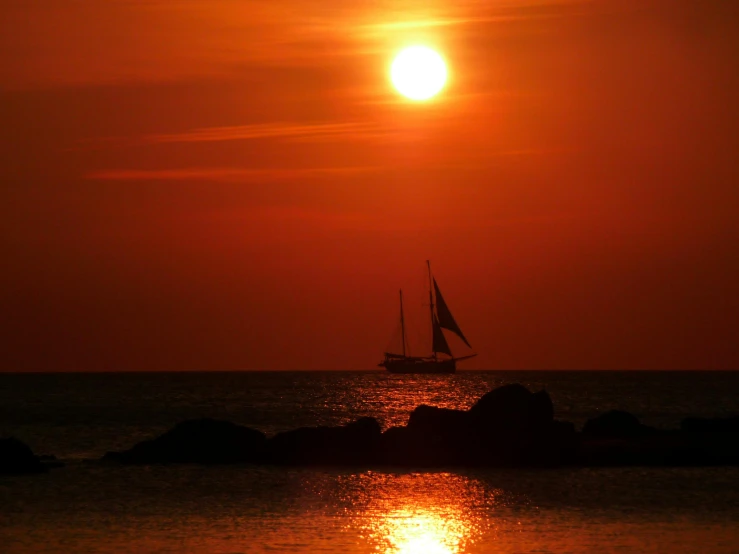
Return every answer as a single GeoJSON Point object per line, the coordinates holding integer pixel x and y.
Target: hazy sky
{"type": "Point", "coordinates": [226, 184]}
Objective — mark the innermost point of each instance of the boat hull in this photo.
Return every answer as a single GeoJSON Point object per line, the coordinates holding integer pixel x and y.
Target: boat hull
{"type": "Point", "coordinates": [419, 366]}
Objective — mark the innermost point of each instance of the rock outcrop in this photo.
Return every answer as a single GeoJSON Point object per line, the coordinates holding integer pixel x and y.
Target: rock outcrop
{"type": "Point", "coordinates": [509, 426]}
{"type": "Point", "coordinates": [618, 438]}
{"type": "Point", "coordinates": [201, 441]}
{"type": "Point", "coordinates": [710, 425]}
{"type": "Point", "coordinates": [507, 408]}
{"type": "Point", "coordinates": [352, 444]}
{"type": "Point", "coordinates": [616, 424]}
{"type": "Point", "coordinates": [17, 457]}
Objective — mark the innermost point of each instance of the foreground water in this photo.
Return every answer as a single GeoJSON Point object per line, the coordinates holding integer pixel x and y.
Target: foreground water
{"type": "Point", "coordinates": [89, 507]}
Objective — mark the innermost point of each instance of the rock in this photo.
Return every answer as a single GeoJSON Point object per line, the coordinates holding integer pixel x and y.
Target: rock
{"type": "Point", "coordinates": [433, 437]}
{"type": "Point", "coordinates": [508, 426]}
{"type": "Point", "coordinates": [353, 444]}
{"type": "Point", "coordinates": [616, 424]}
{"type": "Point", "coordinates": [710, 425]}
{"type": "Point", "coordinates": [50, 461]}
{"type": "Point", "coordinates": [505, 406]}
{"type": "Point", "coordinates": [200, 441]}
{"type": "Point", "coordinates": [541, 411]}
{"type": "Point", "coordinates": [443, 421]}
{"type": "Point", "coordinates": [662, 449]}
{"type": "Point", "coordinates": [364, 427]}
{"type": "Point", "coordinates": [407, 447]}
{"type": "Point", "coordinates": [16, 458]}
{"type": "Point", "coordinates": [618, 439]}
{"type": "Point", "coordinates": [557, 445]}
{"type": "Point", "coordinates": [400, 446]}
{"type": "Point", "coordinates": [513, 409]}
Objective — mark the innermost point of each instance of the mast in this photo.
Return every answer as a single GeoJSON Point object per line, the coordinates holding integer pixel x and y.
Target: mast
{"type": "Point", "coordinates": [402, 321]}
{"type": "Point", "coordinates": [431, 309]}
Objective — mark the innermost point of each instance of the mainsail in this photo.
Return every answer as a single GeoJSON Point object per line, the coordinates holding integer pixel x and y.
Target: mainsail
{"type": "Point", "coordinates": [439, 340]}
{"type": "Point", "coordinates": [445, 318]}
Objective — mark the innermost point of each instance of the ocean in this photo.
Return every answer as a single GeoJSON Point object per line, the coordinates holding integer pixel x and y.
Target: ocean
{"type": "Point", "coordinates": [92, 507]}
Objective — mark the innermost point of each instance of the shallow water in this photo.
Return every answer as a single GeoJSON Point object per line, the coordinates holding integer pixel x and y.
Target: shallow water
{"type": "Point", "coordinates": [91, 507]}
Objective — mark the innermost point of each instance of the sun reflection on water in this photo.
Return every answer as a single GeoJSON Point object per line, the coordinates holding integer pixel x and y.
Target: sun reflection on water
{"type": "Point", "coordinates": [422, 532]}
{"type": "Point", "coordinates": [424, 514]}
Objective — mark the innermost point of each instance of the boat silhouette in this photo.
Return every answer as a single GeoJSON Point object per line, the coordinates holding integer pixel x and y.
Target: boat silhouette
{"type": "Point", "coordinates": [441, 360]}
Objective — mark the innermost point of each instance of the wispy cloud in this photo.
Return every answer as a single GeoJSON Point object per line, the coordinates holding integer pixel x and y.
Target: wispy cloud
{"type": "Point", "coordinates": [320, 131]}
{"type": "Point", "coordinates": [223, 174]}
{"type": "Point", "coordinates": [48, 41]}
{"type": "Point", "coordinates": [271, 175]}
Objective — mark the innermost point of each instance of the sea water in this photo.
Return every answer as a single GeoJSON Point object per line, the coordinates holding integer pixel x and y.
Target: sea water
{"type": "Point", "coordinates": [92, 507]}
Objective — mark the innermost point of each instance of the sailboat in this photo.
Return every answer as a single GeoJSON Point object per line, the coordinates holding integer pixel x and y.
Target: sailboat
{"type": "Point", "coordinates": [441, 359]}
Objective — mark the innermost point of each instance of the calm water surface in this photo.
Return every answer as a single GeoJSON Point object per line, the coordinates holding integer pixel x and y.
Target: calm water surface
{"type": "Point", "coordinates": [89, 507]}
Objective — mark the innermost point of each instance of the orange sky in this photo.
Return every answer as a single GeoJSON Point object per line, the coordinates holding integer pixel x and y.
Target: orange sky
{"type": "Point", "coordinates": [225, 184]}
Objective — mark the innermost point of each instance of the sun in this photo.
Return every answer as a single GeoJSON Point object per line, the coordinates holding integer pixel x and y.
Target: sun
{"type": "Point", "coordinates": [418, 72]}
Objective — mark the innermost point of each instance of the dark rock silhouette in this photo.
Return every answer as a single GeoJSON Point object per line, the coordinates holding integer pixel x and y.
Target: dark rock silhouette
{"type": "Point", "coordinates": [509, 426]}
{"type": "Point", "coordinates": [433, 437]}
{"type": "Point", "coordinates": [16, 458]}
{"type": "Point", "coordinates": [713, 425]}
{"type": "Point", "coordinates": [667, 448]}
{"type": "Point", "coordinates": [502, 408]}
{"type": "Point", "coordinates": [513, 408]}
{"type": "Point", "coordinates": [616, 424]}
{"type": "Point", "coordinates": [403, 446]}
{"type": "Point", "coordinates": [557, 444]}
{"type": "Point", "coordinates": [439, 421]}
{"type": "Point", "coordinates": [202, 441]}
{"type": "Point", "coordinates": [540, 411]}
{"type": "Point", "coordinates": [619, 438]}
{"type": "Point", "coordinates": [353, 444]}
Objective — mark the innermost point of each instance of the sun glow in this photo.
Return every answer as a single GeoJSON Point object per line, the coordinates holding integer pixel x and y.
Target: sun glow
{"type": "Point", "coordinates": [424, 533]}
{"type": "Point", "coordinates": [418, 72]}
{"type": "Point", "coordinates": [422, 513]}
